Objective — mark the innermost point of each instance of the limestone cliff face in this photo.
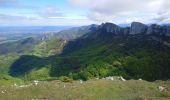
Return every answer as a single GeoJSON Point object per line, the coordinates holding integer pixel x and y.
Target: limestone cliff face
{"type": "Point", "coordinates": [135, 28]}
{"type": "Point", "coordinates": [167, 31]}
{"type": "Point", "coordinates": [126, 31]}
{"type": "Point", "coordinates": [155, 29]}
{"type": "Point", "coordinates": [160, 33]}
{"type": "Point", "coordinates": [111, 28]}
{"type": "Point", "coordinates": [138, 28]}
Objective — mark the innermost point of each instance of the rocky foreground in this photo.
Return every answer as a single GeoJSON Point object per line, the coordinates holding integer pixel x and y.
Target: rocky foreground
{"type": "Point", "coordinates": [98, 89]}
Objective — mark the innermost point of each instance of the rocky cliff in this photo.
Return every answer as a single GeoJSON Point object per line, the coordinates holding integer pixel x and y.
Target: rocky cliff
{"type": "Point", "coordinates": [138, 28]}
{"type": "Point", "coordinates": [135, 28]}
{"type": "Point", "coordinates": [160, 33]}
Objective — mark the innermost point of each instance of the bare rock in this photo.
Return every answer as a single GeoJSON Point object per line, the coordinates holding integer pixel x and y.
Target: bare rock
{"type": "Point", "coordinates": [161, 88]}
{"type": "Point", "coordinates": [122, 78]}
{"type": "Point", "coordinates": [167, 31]}
{"type": "Point", "coordinates": [155, 29]}
{"type": "Point", "coordinates": [110, 78]}
{"type": "Point", "coordinates": [138, 28]}
{"type": "Point", "coordinates": [111, 28]}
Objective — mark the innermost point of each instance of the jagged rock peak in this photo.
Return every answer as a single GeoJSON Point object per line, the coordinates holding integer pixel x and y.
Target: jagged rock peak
{"type": "Point", "coordinates": [155, 29]}
{"type": "Point", "coordinates": [138, 28]}
{"type": "Point", "coordinates": [135, 28]}
{"type": "Point", "coordinates": [110, 28]}
{"type": "Point", "coordinates": [167, 31]}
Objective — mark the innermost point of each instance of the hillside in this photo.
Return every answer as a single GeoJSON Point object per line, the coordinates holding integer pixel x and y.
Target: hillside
{"type": "Point", "coordinates": [84, 49]}
{"type": "Point", "coordinates": [75, 32]}
{"type": "Point", "coordinates": [20, 46]}
{"type": "Point", "coordinates": [89, 90]}
{"type": "Point", "coordinates": [134, 52]}
{"type": "Point", "coordinates": [139, 53]}
{"type": "Point", "coordinates": [10, 52]}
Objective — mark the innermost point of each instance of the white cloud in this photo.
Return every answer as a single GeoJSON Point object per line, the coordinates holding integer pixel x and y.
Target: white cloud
{"type": "Point", "coordinates": [14, 20]}
{"type": "Point", "coordinates": [125, 10]}
{"type": "Point", "coordinates": [116, 11]}
{"type": "Point", "coordinates": [51, 12]}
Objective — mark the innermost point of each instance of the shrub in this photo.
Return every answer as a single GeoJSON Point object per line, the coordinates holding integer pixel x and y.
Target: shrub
{"type": "Point", "coordinates": [66, 79]}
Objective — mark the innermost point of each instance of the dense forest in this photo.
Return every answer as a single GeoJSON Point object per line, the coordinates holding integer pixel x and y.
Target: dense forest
{"type": "Point", "coordinates": [97, 52]}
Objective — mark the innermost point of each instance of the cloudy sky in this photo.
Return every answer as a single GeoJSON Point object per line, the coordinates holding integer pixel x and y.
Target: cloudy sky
{"type": "Point", "coordinates": [82, 12]}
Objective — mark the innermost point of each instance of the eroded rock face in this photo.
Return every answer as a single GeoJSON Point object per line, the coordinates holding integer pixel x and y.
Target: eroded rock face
{"type": "Point", "coordinates": [167, 31]}
{"type": "Point", "coordinates": [138, 28]}
{"type": "Point", "coordinates": [150, 30]}
{"type": "Point", "coordinates": [155, 29]}
{"type": "Point", "coordinates": [126, 31]}
{"type": "Point", "coordinates": [111, 28]}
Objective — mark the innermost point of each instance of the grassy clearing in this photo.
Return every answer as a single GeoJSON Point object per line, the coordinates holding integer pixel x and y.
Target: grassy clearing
{"type": "Point", "coordinates": [89, 90]}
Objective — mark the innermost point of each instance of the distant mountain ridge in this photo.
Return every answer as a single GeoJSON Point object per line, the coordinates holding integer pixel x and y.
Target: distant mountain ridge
{"type": "Point", "coordinates": [140, 49]}
{"type": "Point", "coordinates": [31, 29]}
{"type": "Point", "coordinates": [136, 28]}
{"type": "Point", "coordinates": [159, 33]}
{"type": "Point", "coordinates": [96, 51]}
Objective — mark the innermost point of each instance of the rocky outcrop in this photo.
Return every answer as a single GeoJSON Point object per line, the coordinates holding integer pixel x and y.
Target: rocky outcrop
{"type": "Point", "coordinates": [110, 28]}
{"type": "Point", "coordinates": [155, 29]}
{"type": "Point", "coordinates": [138, 28]}
{"type": "Point", "coordinates": [160, 33]}
{"type": "Point", "coordinates": [167, 31]}
{"type": "Point", "coordinates": [126, 30]}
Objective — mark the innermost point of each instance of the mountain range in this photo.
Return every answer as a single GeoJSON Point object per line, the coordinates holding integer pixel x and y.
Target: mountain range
{"type": "Point", "coordinates": [94, 51]}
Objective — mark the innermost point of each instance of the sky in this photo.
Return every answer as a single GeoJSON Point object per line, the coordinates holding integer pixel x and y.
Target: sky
{"type": "Point", "coordinates": [82, 12]}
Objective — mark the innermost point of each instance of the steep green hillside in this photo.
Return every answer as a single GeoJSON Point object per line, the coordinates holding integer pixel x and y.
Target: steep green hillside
{"type": "Point", "coordinates": [49, 47]}
{"type": "Point", "coordinates": [86, 58]}
{"type": "Point", "coordinates": [75, 32]}
{"type": "Point", "coordinates": [30, 47]}
{"type": "Point", "coordinates": [6, 61]}
{"type": "Point", "coordinates": [22, 46]}
{"type": "Point", "coordinates": [103, 51]}
{"type": "Point", "coordinates": [131, 57]}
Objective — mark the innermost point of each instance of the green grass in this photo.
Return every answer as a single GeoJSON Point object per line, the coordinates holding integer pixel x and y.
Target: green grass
{"type": "Point", "coordinates": [89, 90]}
{"type": "Point", "coordinates": [6, 61]}
{"type": "Point", "coordinates": [138, 58]}
{"type": "Point", "coordinates": [8, 80]}
{"type": "Point", "coordinates": [48, 48]}
{"type": "Point", "coordinates": [88, 58]}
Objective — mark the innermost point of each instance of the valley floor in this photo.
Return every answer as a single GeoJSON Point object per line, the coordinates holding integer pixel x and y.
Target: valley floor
{"type": "Point", "coordinates": [98, 89]}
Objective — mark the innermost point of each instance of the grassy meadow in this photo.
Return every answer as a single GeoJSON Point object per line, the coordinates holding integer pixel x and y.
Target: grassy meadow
{"type": "Point", "coordinates": [96, 89]}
